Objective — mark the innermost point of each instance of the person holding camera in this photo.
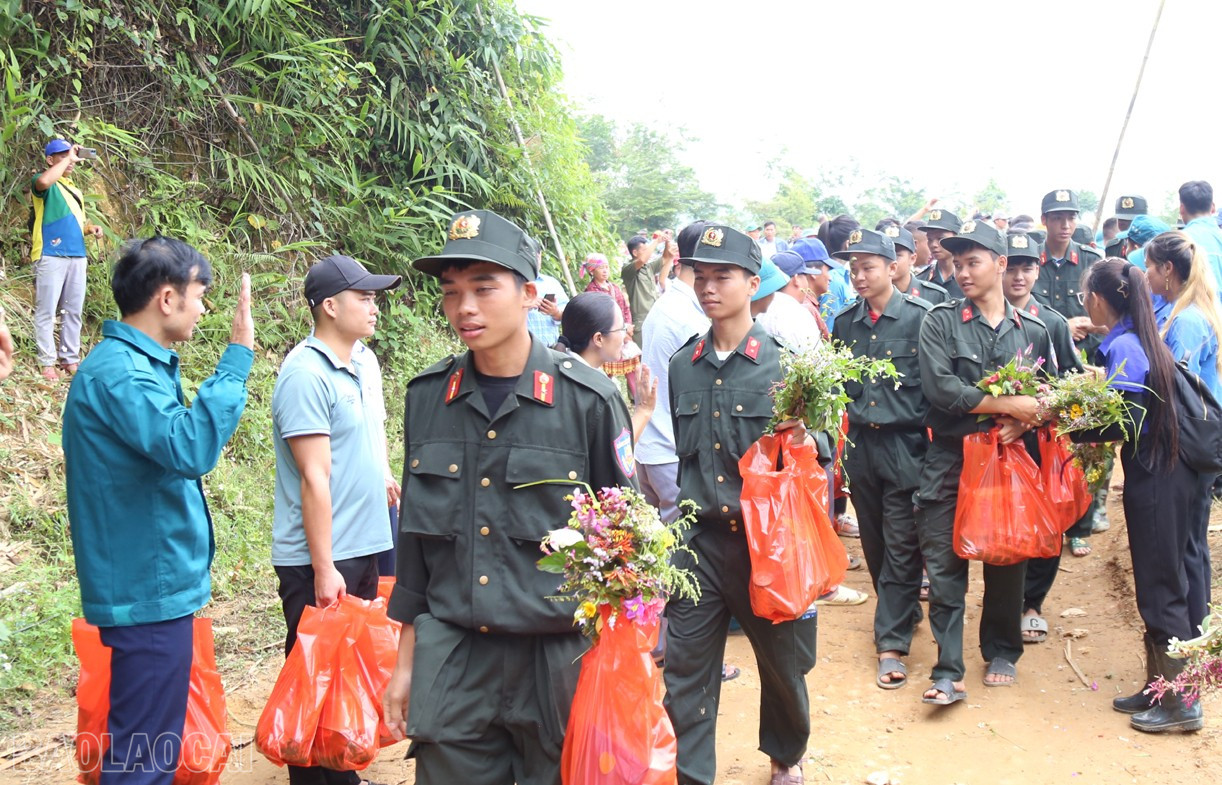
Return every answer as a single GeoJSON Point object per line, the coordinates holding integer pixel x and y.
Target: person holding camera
{"type": "Point", "coordinates": [58, 253]}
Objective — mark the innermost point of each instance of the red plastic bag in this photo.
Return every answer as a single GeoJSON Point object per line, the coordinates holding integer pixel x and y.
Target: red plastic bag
{"type": "Point", "coordinates": [1002, 516]}
{"type": "Point", "coordinates": [326, 707]}
{"type": "Point", "coordinates": [619, 732]}
{"type": "Point", "coordinates": [205, 742]}
{"type": "Point", "coordinates": [1064, 483]}
{"type": "Point", "coordinates": [795, 554]}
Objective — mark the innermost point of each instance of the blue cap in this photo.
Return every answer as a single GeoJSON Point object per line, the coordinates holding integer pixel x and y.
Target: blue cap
{"type": "Point", "coordinates": [1145, 228]}
{"type": "Point", "coordinates": [790, 262]}
{"type": "Point", "coordinates": [772, 280]}
{"type": "Point", "coordinates": [56, 146]}
{"type": "Point", "coordinates": [814, 253]}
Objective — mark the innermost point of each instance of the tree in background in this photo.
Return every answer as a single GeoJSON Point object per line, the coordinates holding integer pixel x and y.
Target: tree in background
{"type": "Point", "coordinates": [991, 198]}
{"type": "Point", "coordinates": [643, 184]}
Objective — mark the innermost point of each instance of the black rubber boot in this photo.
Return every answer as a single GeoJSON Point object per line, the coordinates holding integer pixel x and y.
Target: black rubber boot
{"type": "Point", "coordinates": [1140, 701]}
{"type": "Point", "coordinates": [1169, 714]}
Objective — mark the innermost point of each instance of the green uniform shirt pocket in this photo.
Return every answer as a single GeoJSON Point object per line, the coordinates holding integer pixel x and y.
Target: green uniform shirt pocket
{"type": "Point", "coordinates": [687, 412]}
{"type": "Point", "coordinates": [537, 509]}
{"type": "Point", "coordinates": [433, 488]}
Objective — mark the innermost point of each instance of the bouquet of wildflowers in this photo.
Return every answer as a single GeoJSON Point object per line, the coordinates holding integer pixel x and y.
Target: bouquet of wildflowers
{"type": "Point", "coordinates": [1085, 402]}
{"type": "Point", "coordinates": [812, 389]}
{"type": "Point", "coordinates": [616, 553]}
{"type": "Point", "coordinates": [1017, 377]}
{"type": "Point", "coordinates": [1204, 668]}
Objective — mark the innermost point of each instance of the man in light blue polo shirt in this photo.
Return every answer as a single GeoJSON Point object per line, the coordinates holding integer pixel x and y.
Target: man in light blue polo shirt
{"type": "Point", "coordinates": [330, 512]}
{"type": "Point", "coordinates": [1197, 211]}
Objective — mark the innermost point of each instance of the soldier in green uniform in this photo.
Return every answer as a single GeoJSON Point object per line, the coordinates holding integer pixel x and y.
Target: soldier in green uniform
{"type": "Point", "coordinates": [720, 405]}
{"type": "Point", "coordinates": [905, 257]}
{"type": "Point", "coordinates": [940, 224]}
{"type": "Point", "coordinates": [487, 662]}
{"type": "Point", "coordinates": [1128, 207]}
{"type": "Point", "coordinates": [961, 341]}
{"type": "Point", "coordinates": [1022, 270]}
{"type": "Point", "coordinates": [887, 442]}
{"type": "Point", "coordinates": [1063, 267]}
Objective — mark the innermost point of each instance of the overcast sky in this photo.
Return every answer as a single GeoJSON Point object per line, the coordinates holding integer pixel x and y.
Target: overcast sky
{"type": "Point", "coordinates": [944, 93]}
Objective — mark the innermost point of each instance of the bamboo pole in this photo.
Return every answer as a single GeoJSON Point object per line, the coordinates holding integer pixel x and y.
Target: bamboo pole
{"type": "Point", "coordinates": [517, 132]}
{"type": "Point", "coordinates": [1125, 125]}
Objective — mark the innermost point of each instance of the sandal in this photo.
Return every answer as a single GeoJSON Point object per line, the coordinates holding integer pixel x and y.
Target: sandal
{"type": "Point", "coordinates": [924, 595]}
{"type": "Point", "coordinates": [1035, 629]}
{"type": "Point", "coordinates": [1079, 547]}
{"type": "Point", "coordinates": [947, 688]}
{"type": "Point", "coordinates": [1000, 666]}
{"type": "Point", "coordinates": [889, 666]}
{"type": "Point", "coordinates": [729, 672]}
{"type": "Point", "coordinates": [842, 595]}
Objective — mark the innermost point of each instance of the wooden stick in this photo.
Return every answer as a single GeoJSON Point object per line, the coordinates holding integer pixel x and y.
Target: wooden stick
{"type": "Point", "coordinates": [1124, 126]}
{"type": "Point", "coordinates": [1074, 665]}
{"type": "Point", "coordinates": [8, 764]}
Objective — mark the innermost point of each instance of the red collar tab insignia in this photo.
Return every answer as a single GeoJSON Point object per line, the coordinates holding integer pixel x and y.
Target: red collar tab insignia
{"type": "Point", "coordinates": [1034, 310]}
{"type": "Point", "coordinates": [699, 350]}
{"type": "Point", "coordinates": [1017, 318]}
{"type": "Point", "coordinates": [915, 292]}
{"type": "Point", "coordinates": [966, 313]}
{"type": "Point", "coordinates": [545, 388]}
{"type": "Point", "coordinates": [453, 385]}
{"type": "Point", "coordinates": [1073, 256]}
{"type": "Point", "coordinates": [752, 349]}
{"type": "Point", "coordinates": [1043, 257]}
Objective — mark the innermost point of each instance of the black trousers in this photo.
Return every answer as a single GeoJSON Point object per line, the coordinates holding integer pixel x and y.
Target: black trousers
{"type": "Point", "coordinates": [696, 643]}
{"type": "Point", "coordinates": [150, 674]}
{"type": "Point", "coordinates": [296, 592]}
{"type": "Point", "coordinates": [1163, 510]}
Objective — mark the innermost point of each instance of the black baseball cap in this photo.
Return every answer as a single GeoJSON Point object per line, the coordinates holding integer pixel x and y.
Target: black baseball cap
{"type": "Point", "coordinates": [866, 241]}
{"type": "Point", "coordinates": [719, 244]}
{"type": "Point", "coordinates": [484, 236]}
{"type": "Point", "coordinates": [1022, 247]}
{"type": "Point", "coordinates": [334, 274]}
{"type": "Point", "coordinates": [901, 237]}
{"type": "Point", "coordinates": [1060, 201]}
{"type": "Point", "coordinates": [1131, 206]}
{"type": "Point", "coordinates": [981, 233]}
{"type": "Point", "coordinates": [942, 219]}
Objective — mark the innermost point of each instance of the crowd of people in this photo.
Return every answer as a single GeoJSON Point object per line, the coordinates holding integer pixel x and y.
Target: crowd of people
{"type": "Point", "coordinates": [698, 322]}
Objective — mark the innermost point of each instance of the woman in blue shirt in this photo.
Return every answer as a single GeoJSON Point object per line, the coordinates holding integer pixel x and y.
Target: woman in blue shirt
{"type": "Point", "coordinates": [1161, 493]}
{"type": "Point", "coordinates": [1188, 316]}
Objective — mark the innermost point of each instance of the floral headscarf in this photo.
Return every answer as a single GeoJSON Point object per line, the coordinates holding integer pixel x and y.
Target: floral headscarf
{"type": "Point", "coordinates": [592, 263]}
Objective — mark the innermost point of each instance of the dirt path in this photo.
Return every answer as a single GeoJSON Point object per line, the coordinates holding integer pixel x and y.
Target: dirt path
{"type": "Point", "coordinates": [1049, 728]}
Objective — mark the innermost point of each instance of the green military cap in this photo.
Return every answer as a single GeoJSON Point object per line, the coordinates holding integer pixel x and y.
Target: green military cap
{"type": "Point", "coordinates": [981, 233]}
{"type": "Point", "coordinates": [484, 236]}
{"type": "Point", "coordinates": [1039, 235]}
{"type": "Point", "coordinates": [865, 241]}
{"type": "Point", "coordinates": [901, 237]}
{"type": "Point", "coordinates": [1131, 206]}
{"type": "Point", "coordinates": [724, 245]}
{"type": "Point", "coordinates": [1060, 201]}
{"type": "Point", "coordinates": [942, 219]}
{"type": "Point", "coordinates": [1082, 235]}
{"type": "Point", "coordinates": [1021, 246]}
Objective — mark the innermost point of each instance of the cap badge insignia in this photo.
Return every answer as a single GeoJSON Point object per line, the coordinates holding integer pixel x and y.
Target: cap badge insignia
{"type": "Point", "coordinates": [1019, 241]}
{"type": "Point", "coordinates": [967, 228]}
{"type": "Point", "coordinates": [892, 231]}
{"type": "Point", "coordinates": [1062, 196]}
{"type": "Point", "coordinates": [465, 227]}
{"type": "Point", "coordinates": [712, 236]}
{"type": "Point", "coordinates": [855, 237]}
{"type": "Point", "coordinates": [1126, 203]}
{"type": "Point", "coordinates": [935, 215]}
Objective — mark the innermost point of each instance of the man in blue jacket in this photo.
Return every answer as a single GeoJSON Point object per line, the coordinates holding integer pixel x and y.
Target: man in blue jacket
{"type": "Point", "coordinates": [141, 534]}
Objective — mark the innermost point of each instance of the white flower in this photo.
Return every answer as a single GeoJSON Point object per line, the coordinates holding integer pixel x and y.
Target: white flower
{"type": "Point", "coordinates": [563, 538]}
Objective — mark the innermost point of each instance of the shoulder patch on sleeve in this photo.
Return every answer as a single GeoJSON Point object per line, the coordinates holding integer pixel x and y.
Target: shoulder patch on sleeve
{"type": "Point", "coordinates": [623, 453]}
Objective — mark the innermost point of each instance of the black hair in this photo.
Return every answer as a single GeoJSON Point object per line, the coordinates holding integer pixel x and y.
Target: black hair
{"type": "Point", "coordinates": [835, 233]}
{"type": "Point", "coordinates": [769, 223]}
{"type": "Point", "coordinates": [1197, 196]}
{"type": "Point", "coordinates": [1122, 285]}
{"type": "Point", "coordinates": [586, 314]}
{"type": "Point", "coordinates": [1111, 223]}
{"type": "Point", "coordinates": [914, 226]}
{"type": "Point", "coordinates": [688, 237]}
{"type": "Point", "coordinates": [635, 242]}
{"type": "Point", "coordinates": [145, 266]}
{"type": "Point", "coordinates": [1022, 219]}
{"type": "Point", "coordinates": [458, 265]}
{"type": "Point", "coordinates": [888, 221]}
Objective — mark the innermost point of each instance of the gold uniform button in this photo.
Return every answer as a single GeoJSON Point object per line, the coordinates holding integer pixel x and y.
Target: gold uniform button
{"type": "Point", "coordinates": [716, 414]}
{"type": "Point", "coordinates": [738, 408]}
{"type": "Point", "coordinates": [888, 352]}
{"type": "Point", "coordinates": [725, 509]}
{"type": "Point", "coordinates": [491, 434]}
{"type": "Point", "coordinates": [483, 629]}
{"type": "Point", "coordinates": [872, 403]}
{"type": "Point", "coordinates": [717, 446]}
{"type": "Point", "coordinates": [484, 530]}
{"type": "Point", "coordinates": [485, 482]}
{"type": "Point", "coordinates": [453, 468]}
{"type": "Point", "coordinates": [566, 364]}
{"type": "Point", "coordinates": [572, 475]}
{"type": "Point", "coordinates": [483, 580]}
{"type": "Point", "coordinates": [415, 463]}
{"type": "Point", "coordinates": [873, 337]}
{"type": "Point", "coordinates": [718, 381]}
{"type": "Point", "coordinates": [720, 478]}
{"type": "Point", "coordinates": [733, 523]}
